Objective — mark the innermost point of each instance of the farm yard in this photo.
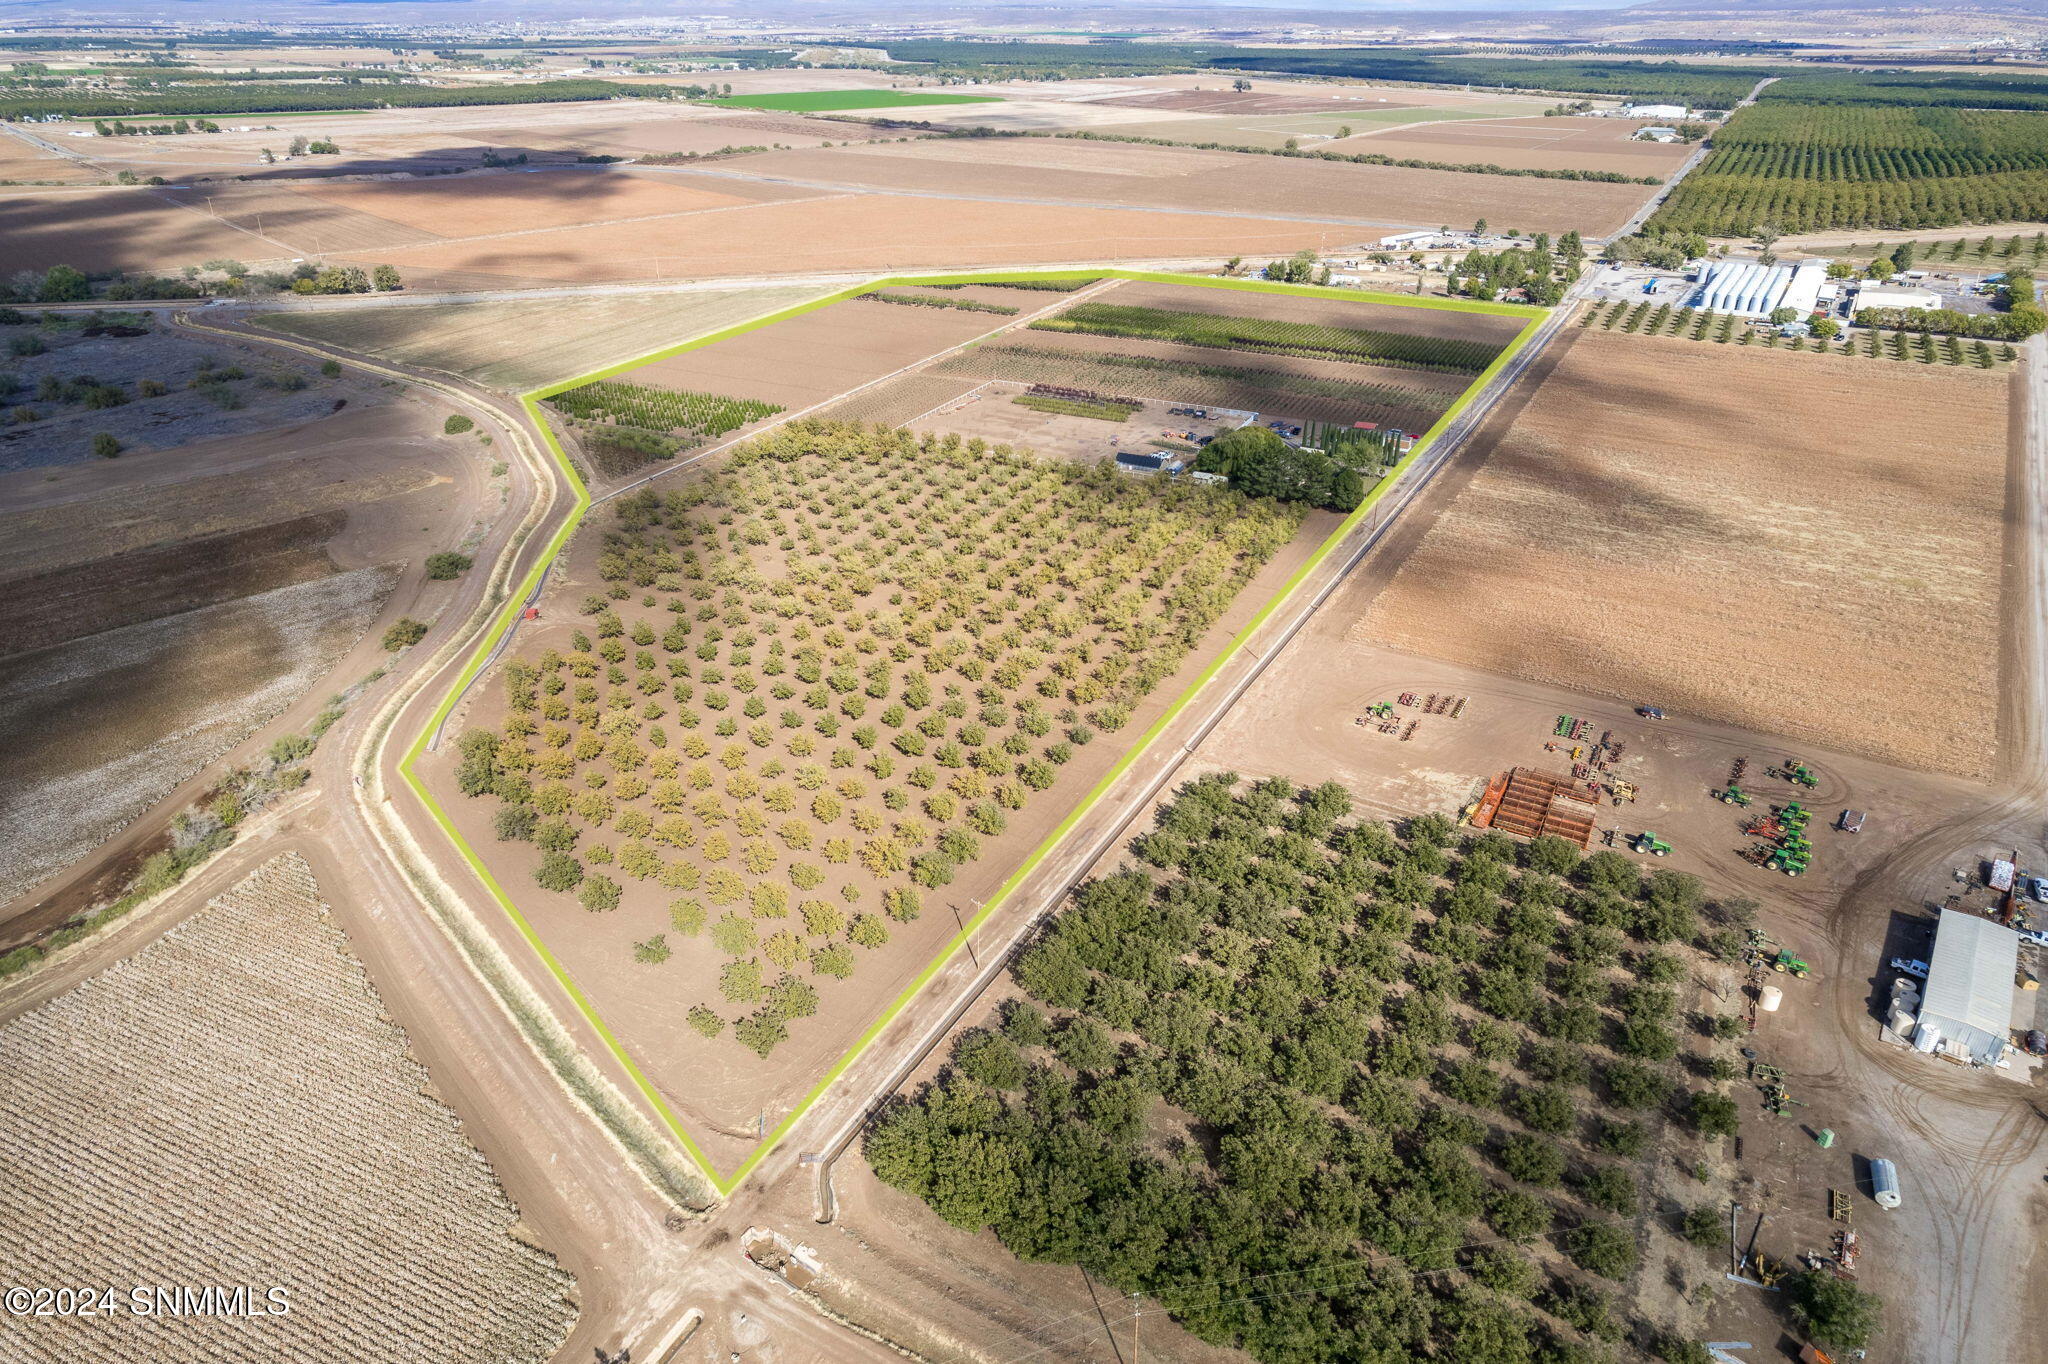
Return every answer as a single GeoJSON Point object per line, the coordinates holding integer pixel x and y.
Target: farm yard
{"type": "Point", "coordinates": [1457, 1054]}
{"type": "Point", "coordinates": [320, 1162]}
{"type": "Point", "coordinates": [1628, 522]}
{"type": "Point", "coordinates": [518, 344]}
{"type": "Point", "coordinates": [1869, 342]}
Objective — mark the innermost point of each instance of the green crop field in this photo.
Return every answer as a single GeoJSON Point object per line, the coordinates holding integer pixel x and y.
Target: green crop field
{"type": "Point", "coordinates": [819, 101]}
{"type": "Point", "coordinates": [1264, 336]}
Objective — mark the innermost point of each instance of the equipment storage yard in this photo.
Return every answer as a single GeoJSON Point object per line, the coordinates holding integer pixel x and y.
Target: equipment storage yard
{"type": "Point", "coordinates": [1775, 541]}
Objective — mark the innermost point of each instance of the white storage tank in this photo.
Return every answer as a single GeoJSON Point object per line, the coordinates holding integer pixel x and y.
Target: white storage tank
{"type": "Point", "coordinates": [1884, 1183]}
{"type": "Point", "coordinates": [1770, 999]}
{"type": "Point", "coordinates": [1902, 1020]}
{"type": "Point", "coordinates": [1927, 1038]}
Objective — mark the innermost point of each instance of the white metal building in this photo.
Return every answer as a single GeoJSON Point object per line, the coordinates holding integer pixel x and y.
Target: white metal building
{"type": "Point", "coordinates": [1967, 1009]}
{"type": "Point", "coordinates": [1751, 289]}
{"type": "Point", "coordinates": [1870, 296]}
{"type": "Point", "coordinates": [1654, 111]}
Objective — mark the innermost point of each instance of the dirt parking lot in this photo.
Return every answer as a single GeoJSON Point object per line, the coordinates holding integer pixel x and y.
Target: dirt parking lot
{"type": "Point", "coordinates": [1647, 527]}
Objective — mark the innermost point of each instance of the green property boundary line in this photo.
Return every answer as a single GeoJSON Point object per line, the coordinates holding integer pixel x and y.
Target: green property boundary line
{"type": "Point", "coordinates": [531, 401]}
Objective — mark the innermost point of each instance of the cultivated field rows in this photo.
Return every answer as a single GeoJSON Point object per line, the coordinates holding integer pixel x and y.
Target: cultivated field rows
{"type": "Point", "coordinates": [231, 1106]}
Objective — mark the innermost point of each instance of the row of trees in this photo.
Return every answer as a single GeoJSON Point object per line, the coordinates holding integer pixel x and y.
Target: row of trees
{"type": "Point", "coordinates": [1806, 168]}
{"type": "Point", "coordinates": [1331, 1013]}
{"type": "Point", "coordinates": [66, 284]}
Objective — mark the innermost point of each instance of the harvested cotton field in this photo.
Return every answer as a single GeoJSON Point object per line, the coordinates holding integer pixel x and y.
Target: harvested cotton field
{"type": "Point", "coordinates": [231, 1106]}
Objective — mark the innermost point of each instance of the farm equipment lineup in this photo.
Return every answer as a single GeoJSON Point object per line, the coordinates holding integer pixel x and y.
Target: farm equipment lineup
{"type": "Point", "coordinates": [1784, 845]}
{"type": "Point", "coordinates": [1593, 761]}
{"type": "Point", "coordinates": [1384, 717]}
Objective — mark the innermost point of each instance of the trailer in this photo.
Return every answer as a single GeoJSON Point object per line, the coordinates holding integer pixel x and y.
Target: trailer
{"type": "Point", "coordinates": [1850, 822]}
{"type": "Point", "coordinates": [2001, 876]}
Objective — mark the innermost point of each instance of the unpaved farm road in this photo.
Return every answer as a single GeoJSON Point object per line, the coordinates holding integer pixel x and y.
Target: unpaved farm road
{"type": "Point", "coordinates": [1973, 1147]}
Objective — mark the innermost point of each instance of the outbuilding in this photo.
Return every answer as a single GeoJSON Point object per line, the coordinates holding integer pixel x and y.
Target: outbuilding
{"type": "Point", "coordinates": [1654, 111]}
{"type": "Point", "coordinates": [1966, 1011]}
{"type": "Point", "coordinates": [1876, 297]}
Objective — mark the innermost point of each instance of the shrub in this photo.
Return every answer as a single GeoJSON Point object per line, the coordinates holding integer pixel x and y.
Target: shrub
{"type": "Point", "coordinates": [1835, 1312]}
{"type": "Point", "coordinates": [405, 633]}
{"type": "Point", "coordinates": [599, 894]}
{"type": "Point", "coordinates": [447, 564]}
{"type": "Point", "coordinates": [457, 424]}
{"type": "Point", "coordinates": [653, 951]}
{"type": "Point", "coordinates": [105, 446]}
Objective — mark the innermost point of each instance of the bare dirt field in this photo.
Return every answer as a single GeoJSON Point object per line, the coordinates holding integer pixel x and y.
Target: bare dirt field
{"type": "Point", "coordinates": [98, 729]}
{"type": "Point", "coordinates": [1598, 144]}
{"type": "Point", "coordinates": [807, 359]}
{"type": "Point", "coordinates": [1125, 175]}
{"type": "Point", "coordinates": [435, 141]}
{"type": "Point", "coordinates": [851, 232]}
{"type": "Point", "coordinates": [161, 607]}
{"type": "Point", "coordinates": [1647, 528]}
{"type": "Point", "coordinates": [114, 229]}
{"type": "Point", "coordinates": [23, 161]}
{"type": "Point", "coordinates": [520, 344]}
{"type": "Point", "coordinates": [319, 1162]}
{"type": "Point", "coordinates": [545, 199]}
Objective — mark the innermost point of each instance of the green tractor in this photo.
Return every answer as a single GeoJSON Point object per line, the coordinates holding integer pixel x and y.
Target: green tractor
{"type": "Point", "coordinates": [1735, 796]}
{"type": "Point", "coordinates": [1791, 861]}
{"type": "Point", "coordinates": [1787, 963]}
{"type": "Point", "coordinates": [1380, 710]}
{"type": "Point", "coordinates": [1647, 842]}
{"type": "Point", "coordinates": [1800, 774]}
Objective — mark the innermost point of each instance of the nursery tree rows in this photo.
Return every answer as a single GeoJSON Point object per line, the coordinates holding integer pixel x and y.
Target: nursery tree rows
{"type": "Point", "coordinates": [1404, 1086]}
{"type": "Point", "coordinates": [1805, 168]}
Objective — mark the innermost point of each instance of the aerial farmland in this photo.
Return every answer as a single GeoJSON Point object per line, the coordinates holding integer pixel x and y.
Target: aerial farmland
{"type": "Point", "coordinates": [674, 689]}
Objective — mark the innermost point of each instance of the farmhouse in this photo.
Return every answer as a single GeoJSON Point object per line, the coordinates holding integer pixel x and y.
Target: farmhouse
{"type": "Point", "coordinates": [1654, 134]}
{"type": "Point", "coordinates": [1873, 297]}
{"type": "Point", "coordinates": [1751, 289]}
{"type": "Point", "coordinates": [1967, 1010]}
{"type": "Point", "coordinates": [1146, 462]}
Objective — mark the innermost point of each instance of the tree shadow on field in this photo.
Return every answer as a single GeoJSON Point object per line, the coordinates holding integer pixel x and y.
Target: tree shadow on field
{"type": "Point", "coordinates": [258, 216]}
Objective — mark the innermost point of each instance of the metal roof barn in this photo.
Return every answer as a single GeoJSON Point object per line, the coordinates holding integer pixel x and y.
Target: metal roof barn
{"type": "Point", "coordinates": [1967, 1008]}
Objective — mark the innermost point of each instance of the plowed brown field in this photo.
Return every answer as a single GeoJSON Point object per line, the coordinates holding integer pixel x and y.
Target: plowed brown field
{"type": "Point", "coordinates": [1069, 170]}
{"type": "Point", "coordinates": [1773, 540]}
{"type": "Point", "coordinates": [855, 232]}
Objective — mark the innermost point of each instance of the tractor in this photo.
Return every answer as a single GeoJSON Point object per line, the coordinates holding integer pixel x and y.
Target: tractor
{"type": "Point", "coordinates": [1787, 964]}
{"type": "Point", "coordinates": [1380, 710]}
{"type": "Point", "coordinates": [1735, 796]}
{"type": "Point", "coordinates": [1798, 773]}
{"type": "Point", "coordinates": [1788, 860]}
{"type": "Point", "coordinates": [1647, 842]}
